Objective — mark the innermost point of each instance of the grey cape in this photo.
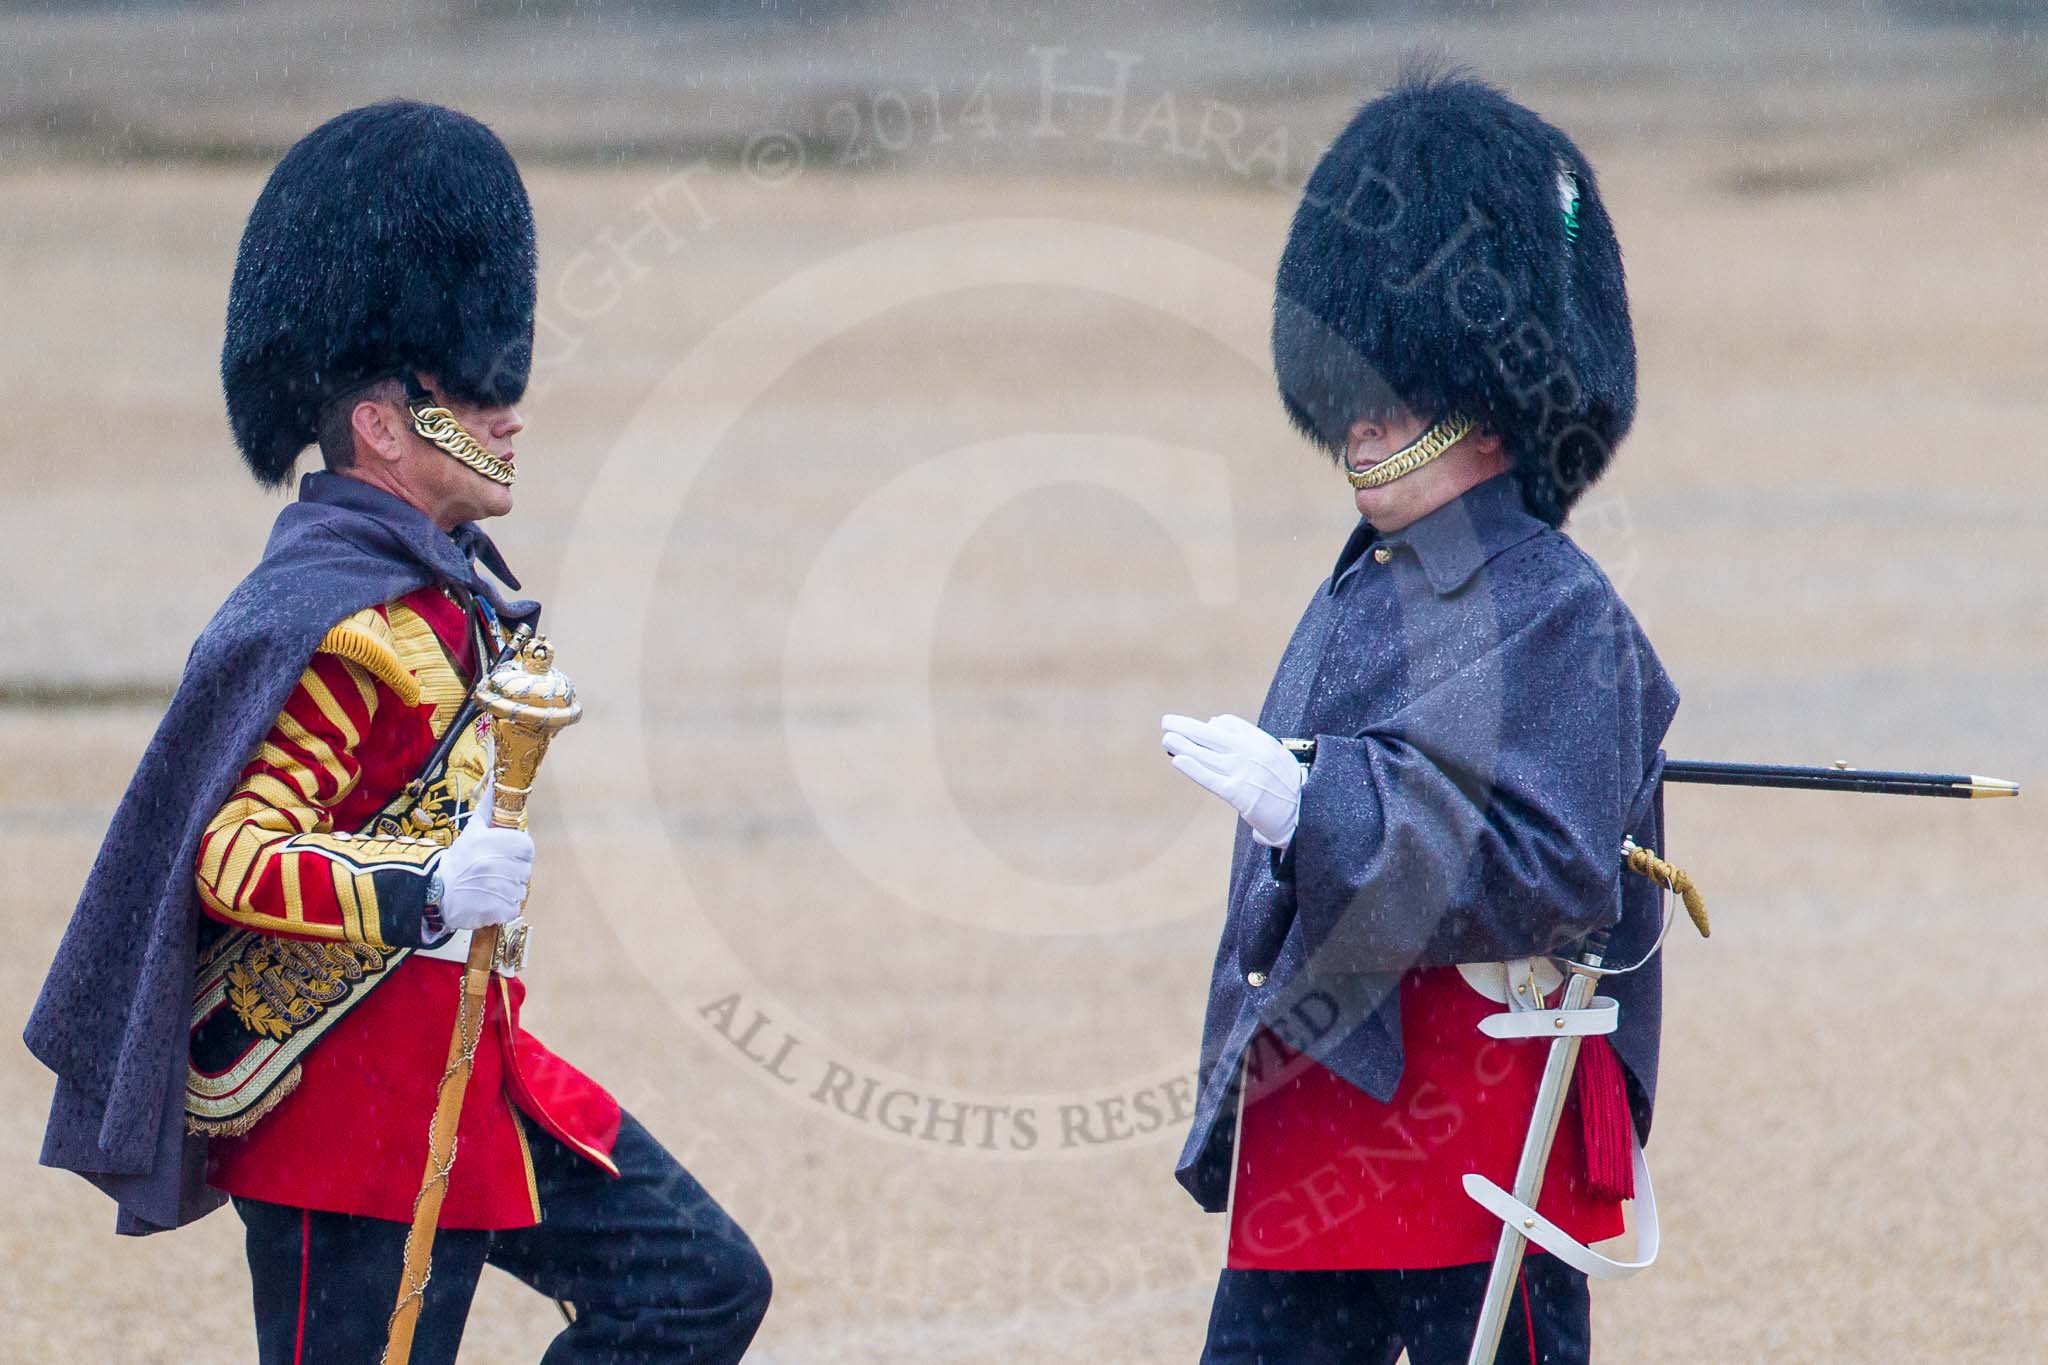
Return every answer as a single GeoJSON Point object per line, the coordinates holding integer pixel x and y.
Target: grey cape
{"type": "Point", "coordinates": [113, 1016]}
{"type": "Point", "coordinates": [1487, 717]}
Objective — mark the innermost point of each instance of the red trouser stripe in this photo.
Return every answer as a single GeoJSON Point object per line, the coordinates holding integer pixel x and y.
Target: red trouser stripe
{"type": "Point", "coordinates": [1528, 1317]}
{"type": "Point", "coordinates": [305, 1261]}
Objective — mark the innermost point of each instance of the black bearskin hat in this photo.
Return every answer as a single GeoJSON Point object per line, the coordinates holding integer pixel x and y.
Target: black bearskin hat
{"type": "Point", "coordinates": [392, 238]}
{"type": "Point", "coordinates": [1451, 253]}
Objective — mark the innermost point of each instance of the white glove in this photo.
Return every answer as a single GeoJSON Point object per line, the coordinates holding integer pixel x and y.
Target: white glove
{"type": "Point", "coordinates": [1245, 766]}
{"type": "Point", "coordinates": [484, 872]}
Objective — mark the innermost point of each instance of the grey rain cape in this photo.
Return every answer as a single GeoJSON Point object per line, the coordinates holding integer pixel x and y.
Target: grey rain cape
{"type": "Point", "coordinates": [1487, 717]}
{"type": "Point", "coordinates": [113, 1016]}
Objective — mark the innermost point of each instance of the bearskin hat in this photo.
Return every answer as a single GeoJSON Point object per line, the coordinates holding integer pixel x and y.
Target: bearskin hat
{"type": "Point", "coordinates": [1451, 253]}
{"type": "Point", "coordinates": [392, 238]}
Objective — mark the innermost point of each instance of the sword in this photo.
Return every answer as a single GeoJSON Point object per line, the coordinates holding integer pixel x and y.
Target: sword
{"type": "Point", "coordinates": [1564, 1052]}
{"type": "Point", "coordinates": [1551, 1093]}
{"type": "Point", "coordinates": [1535, 1158]}
{"type": "Point", "coordinates": [1587, 969]}
{"type": "Point", "coordinates": [1839, 777]}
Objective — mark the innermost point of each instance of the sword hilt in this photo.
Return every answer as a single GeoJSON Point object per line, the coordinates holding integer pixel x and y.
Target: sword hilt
{"type": "Point", "coordinates": [1592, 950]}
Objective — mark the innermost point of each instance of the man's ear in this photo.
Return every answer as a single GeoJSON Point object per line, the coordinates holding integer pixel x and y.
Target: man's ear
{"type": "Point", "coordinates": [376, 425]}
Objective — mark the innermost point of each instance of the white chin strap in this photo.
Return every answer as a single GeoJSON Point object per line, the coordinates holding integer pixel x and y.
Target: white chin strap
{"type": "Point", "coordinates": [1441, 436]}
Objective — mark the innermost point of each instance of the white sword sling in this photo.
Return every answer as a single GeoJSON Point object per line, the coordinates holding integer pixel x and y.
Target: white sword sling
{"type": "Point", "coordinates": [1581, 1014]}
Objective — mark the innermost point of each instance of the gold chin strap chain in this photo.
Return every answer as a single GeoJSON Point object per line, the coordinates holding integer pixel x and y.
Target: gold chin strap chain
{"type": "Point", "coordinates": [1671, 878]}
{"type": "Point", "coordinates": [439, 426]}
{"type": "Point", "coordinates": [1447, 432]}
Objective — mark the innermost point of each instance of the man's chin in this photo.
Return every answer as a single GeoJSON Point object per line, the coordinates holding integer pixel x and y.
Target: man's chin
{"type": "Point", "coordinates": [484, 507]}
{"type": "Point", "coordinates": [1386, 509]}
{"type": "Point", "coordinates": [487, 497]}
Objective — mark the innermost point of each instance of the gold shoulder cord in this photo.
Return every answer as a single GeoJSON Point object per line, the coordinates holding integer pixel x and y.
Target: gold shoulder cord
{"type": "Point", "coordinates": [439, 426]}
{"type": "Point", "coordinates": [360, 641]}
{"type": "Point", "coordinates": [1446, 433]}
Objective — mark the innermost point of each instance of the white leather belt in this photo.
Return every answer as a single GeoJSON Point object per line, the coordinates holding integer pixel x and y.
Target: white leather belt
{"type": "Point", "coordinates": [1533, 979]}
{"type": "Point", "coordinates": [511, 948]}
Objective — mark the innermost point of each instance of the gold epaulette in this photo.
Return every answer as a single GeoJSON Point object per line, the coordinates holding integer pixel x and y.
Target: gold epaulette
{"type": "Point", "coordinates": [365, 640]}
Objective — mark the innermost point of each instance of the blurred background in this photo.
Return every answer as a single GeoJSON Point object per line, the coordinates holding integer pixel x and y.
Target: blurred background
{"type": "Point", "coordinates": [901, 445]}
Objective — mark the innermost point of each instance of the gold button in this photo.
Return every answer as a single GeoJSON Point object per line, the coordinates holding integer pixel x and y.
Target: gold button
{"type": "Point", "coordinates": [1381, 554]}
{"type": "Point", "coordinates": [1559, 1021]}
{"type": "Point", "coordinates": [1255, 979]}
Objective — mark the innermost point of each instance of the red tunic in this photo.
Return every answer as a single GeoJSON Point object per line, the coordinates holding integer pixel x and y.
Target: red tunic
{"type": "Point", "coordinates": [1328, 1178]}
{"type": "Point", "coordinates": [352, 1138]}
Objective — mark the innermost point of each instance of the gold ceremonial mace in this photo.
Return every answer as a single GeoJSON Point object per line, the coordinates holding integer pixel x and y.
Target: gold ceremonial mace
{"type": "Point", "coordinates": [529, 699]}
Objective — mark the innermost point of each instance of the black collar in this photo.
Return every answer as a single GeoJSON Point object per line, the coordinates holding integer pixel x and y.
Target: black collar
{"type": "Point", "coordinates": [1456, 540]}
{"type": "Point", "coordinates": [453, 555]}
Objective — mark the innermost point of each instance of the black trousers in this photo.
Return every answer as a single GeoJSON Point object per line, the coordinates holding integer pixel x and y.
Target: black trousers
{"type": "Point", "coordinates": [1366, 1317]}
{"type": "Point", "coordinates": [651, 1266]}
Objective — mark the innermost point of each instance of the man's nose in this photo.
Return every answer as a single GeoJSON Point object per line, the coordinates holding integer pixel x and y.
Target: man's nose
{"type": "Point", "coordinates": [508, 424]}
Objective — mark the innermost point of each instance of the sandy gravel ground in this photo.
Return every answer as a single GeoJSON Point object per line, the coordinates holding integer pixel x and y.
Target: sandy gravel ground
{"type": "Point", "coordinates": [880, 517]}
